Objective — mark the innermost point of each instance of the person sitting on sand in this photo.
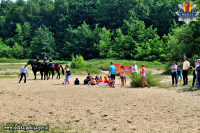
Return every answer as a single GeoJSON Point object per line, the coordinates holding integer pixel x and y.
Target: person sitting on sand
{"type": "Point", "coordinates": [92, 82]}
{"type": "Point", "coordinates": [100, 80]}
{"type": "Point", "coordinates": [105, 79]}
{"type": "Point", "coordinates": [109, 80]}
{"type": "Point", "coordinates": [76, 82]}
{"type": "Point", "coordinates": [88, 77]}
{"type": "Point", "coordinates": [97, 79]}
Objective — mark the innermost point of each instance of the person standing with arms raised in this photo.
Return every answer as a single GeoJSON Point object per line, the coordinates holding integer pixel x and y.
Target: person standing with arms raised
{"type": "Point", "coordinates": [186, 67]}
{"type": "Point", "coordinates": [112, 72]}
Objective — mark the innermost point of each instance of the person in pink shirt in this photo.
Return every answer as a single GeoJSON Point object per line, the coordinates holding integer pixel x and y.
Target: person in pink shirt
{"type": "Point", "coordinates": [122, 76]}
{"type": "Point", "coordinates": [143, 76]}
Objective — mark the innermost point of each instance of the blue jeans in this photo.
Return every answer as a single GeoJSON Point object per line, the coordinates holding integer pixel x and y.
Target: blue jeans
{"type": "Point", "coordinates": [197, 80]}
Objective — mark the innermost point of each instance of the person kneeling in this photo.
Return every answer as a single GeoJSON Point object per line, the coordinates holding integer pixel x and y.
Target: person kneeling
{"type": "Point", "coordinates": [76, 82]}
{"type": "Point", "coordinates": [92, 82]}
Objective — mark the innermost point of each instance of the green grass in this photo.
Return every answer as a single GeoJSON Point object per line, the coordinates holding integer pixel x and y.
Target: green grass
{"type": "Point", "coordinates": [8, 77]}
{"type": "Point", "coordinates": [1, 93]}
{"type": "Point", "coordinates": [10, 73]}
{"type": "Point", "coordinates": [152, 80]}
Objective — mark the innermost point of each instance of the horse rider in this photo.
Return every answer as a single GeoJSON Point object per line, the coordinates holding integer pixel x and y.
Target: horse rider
{"type": "Point", "coordinates": [38, 60]}
{"type": "Point", "coordinates": [45, 60]}
{"type": "Point", "coordinates": [50, 62]}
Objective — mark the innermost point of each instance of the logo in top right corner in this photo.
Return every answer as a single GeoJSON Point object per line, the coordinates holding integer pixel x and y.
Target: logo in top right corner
{"type": "Point", "coordinates": [187, 12]}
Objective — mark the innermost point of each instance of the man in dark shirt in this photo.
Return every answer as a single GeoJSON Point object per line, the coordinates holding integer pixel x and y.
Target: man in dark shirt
{"type": "Point", "coordinates": [50, 62]}
{"type": "Point", "coordinates": [38, 60]}
{"type": "Point", "coordinates": [45, 59]}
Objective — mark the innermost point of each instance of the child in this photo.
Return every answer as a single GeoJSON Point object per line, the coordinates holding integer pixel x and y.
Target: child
{"type": "Point", "coordinates": [97, 80]}
{"type": "Point", "coordinates": [67, 74]}
{"type": "Point", "coordinates": [100, 80]}
{"type": "Point", "coordinates": [105, 79]}
{"type": "Point", "coordinates": [122, 76]}
{"type": "Point", "coordinates": [143, 76]}
{"type": "Point", "coordinates": [76, 82]}
{"type": "Point", "coordinates": [92, 82]}
{"type": "Point", "coordinates": [109, 80]}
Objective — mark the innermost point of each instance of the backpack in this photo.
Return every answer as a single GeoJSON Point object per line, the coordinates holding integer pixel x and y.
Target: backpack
{"type": "Point", "coordinates": [85, 81]}
{"type": "Point", "coordinates": [69, 73]}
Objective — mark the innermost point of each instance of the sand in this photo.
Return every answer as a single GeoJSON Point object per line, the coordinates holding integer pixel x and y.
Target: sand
{"type": "Point", "coordinates": [122, 110]}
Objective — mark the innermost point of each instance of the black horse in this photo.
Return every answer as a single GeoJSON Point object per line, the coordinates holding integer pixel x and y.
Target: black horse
{"type": "Point", "coordinates": [37, 66]}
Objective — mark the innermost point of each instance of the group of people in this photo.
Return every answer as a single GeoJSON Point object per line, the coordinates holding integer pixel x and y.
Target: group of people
{"type": "Point", "coordinates": [50, 63]}
{"type": "Point", "coordinates": [177, 72]}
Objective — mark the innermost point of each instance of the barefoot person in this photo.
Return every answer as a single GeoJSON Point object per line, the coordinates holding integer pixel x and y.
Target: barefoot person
{"type": "Point", "coordinates": [143, 76]}
{"type": "Point", "coordinates": [23, 72]}
{"type": "Point", "coordinates": [179, 72]}
{"type": "Point", "coordinates": [92, 82]}
{"type": "Point", "coordinates": [174, 71]}
{"type": "Point", "coordinates": [112, 71]}
{"type": "Point", "coordinates": [67, 75]}
{"type": "Point", "coordinates": [122, 76]}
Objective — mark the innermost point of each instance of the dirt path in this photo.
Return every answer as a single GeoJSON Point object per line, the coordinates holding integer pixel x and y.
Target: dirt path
{"type": "Point", "coordinates": [108, 109]}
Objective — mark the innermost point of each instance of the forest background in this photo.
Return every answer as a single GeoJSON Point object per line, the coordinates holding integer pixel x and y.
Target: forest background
{"type": "Point", "coordinates": [143, 30]}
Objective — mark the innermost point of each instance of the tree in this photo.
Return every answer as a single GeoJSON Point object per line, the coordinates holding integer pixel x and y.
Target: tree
{"type": "Point", "coordinates": [43, 43]}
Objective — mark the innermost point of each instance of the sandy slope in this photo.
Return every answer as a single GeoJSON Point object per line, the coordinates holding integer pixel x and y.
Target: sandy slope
{"type": "Point", "coordinates": [108, 109]}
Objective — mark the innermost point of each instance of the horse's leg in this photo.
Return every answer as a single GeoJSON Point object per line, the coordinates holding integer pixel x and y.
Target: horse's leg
{"type": "Point", "coordinates": [35, 74]}
{"type": "Point", "coordinates": [41, 75]}
{"type": "Point", "coordinates": [52, 74]}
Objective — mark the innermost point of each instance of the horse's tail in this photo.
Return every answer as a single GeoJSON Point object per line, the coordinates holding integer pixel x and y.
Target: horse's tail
{"type": "Point", "coordinates": [62, 69]}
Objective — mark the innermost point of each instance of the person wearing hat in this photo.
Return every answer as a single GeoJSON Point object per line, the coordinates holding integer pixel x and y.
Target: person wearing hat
{"type": "Point", "coordinates": [38, 60]}
{"type": "Point", "coordinates": [186, 67]}
{"type": "Point", "coordinates": [112, 71]}
{"type": "Point", "coordinates": [50, 62]}
{"type": "Point", "coordinates": [45, 59]}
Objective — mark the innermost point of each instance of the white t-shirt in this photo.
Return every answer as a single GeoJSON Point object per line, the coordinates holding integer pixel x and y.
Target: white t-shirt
{"type": "Point", "coordinates": [135, 68]}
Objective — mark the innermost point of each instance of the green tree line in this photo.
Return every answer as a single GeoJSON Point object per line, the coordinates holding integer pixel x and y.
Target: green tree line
{"type": "Point", "coordinates": [123, 29]}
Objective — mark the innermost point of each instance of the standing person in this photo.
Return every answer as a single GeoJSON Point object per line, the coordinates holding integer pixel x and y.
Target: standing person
{"type": "Point", "coordinates": [134, 68]}
{"type": "Point", "coordinates": [122, 76]}
{"type": "Point", "coordinates": [186, 66]}
{"type": "Point", "coordinates": [51, 62]}
{"type": "Point", "coordinates": [143, 76]}
{"type": "Point", "coordinates": [179, 73]}
{"type": "Point", "coordinates": [23, 72]}
{"type": "Point", "coordinates": [112, 72]}
{"type": "Point", "coordinates": [174, 71]}
{"type": "Point", "coordinates": [195, 72]}
{"type": "Point", "coordinates": [67, 75]}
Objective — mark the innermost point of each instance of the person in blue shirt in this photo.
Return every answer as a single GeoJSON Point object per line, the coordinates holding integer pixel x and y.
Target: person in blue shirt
{"type": "Point", "coordinates": [23, 72]}
{"type": "Point", "coordinates": [174, 72]}
{"type": "Point", "coordinates": [50, 62]}
{"type": "Point", "coordinates": [112, 72]}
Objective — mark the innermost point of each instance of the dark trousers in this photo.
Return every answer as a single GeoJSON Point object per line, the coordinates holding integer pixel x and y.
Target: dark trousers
{"type": "Point", "coordinates": [194, 78]}
{"type": "Point", "coordinates": [23, 74]}
{"type": "Point", "coordinates": [185, 77]}
{"type": "Point", "coordinates": [174, 76]}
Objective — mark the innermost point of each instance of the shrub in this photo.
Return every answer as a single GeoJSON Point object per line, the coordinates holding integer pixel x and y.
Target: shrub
{"type": "Point", "coordinates": [77, 62]}
{"type": "Point", "coordinates": [152, 80]}
{"type": "Point", "coordinates": [118, 73]}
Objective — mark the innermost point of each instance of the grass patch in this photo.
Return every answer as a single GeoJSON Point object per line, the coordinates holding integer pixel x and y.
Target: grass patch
{"type": "Point", "coordinates": [1, 93]}
{"type": "Point", "coordinates": [152, 80]}
{"type": "Point", "coordinates": [10, 73]}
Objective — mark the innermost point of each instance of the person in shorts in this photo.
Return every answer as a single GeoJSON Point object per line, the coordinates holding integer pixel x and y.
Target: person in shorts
{"type": "Point", "coordinates": [92, 82]}
{"type": "Point", "coordinates": [122, 76]}
{"type": "Point", "coordinates": [112, 72]}
{"type": "Point", "coordinates": [179, 73]}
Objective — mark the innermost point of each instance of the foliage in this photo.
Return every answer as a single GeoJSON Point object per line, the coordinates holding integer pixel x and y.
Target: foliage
{"type": "Point", "coordinates": [152, 80]}
{"type": "Point", "coordinates": [77, 62]}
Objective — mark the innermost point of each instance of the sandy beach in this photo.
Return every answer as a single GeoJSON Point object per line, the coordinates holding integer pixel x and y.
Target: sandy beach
{"type": "Point", "coordinates": [107, 109]}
